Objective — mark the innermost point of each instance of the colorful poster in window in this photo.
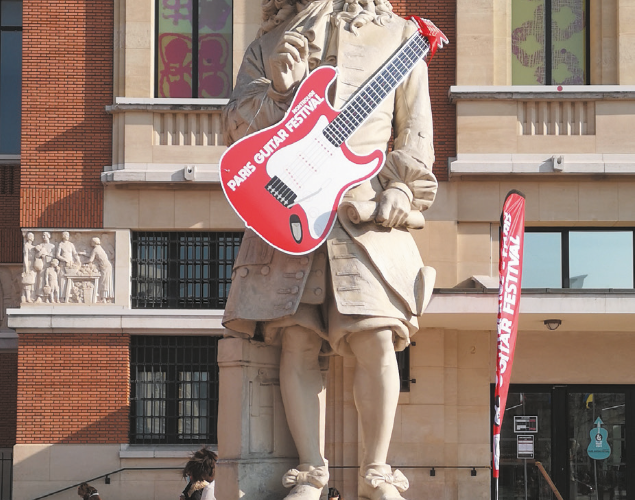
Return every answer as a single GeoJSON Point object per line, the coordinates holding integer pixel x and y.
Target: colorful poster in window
{"type": "Point", "coordinates": [557, 57]}
{"type": "Point", "coordinates": [194, 63]}
{"type": "Point", "coordinates": [215, 48]}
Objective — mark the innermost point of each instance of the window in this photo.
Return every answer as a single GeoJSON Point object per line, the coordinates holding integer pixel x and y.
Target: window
{"type": "Point", "coordinates": [173, 390]}
{"type": "Point", "coordinates": [550, 42]}
{"type": "Point", "coordinates": [194, 48]}
{"type": "Point", "coordinates": [591, 258]}
{"type": "Point", "coordinates": [176, 270]}
{"type": "Point", "coordinates": [10, 76]}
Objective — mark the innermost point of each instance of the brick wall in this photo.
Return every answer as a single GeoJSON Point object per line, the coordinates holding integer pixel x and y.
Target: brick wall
{"type": "Point", "coordinates": [442, 76]}
{"type": "Point", "coordinates": [8, 395]}
{"type": "Point", "coordinates": [73, 388]}
{"type": "Point", "coordinates": [66, 133]}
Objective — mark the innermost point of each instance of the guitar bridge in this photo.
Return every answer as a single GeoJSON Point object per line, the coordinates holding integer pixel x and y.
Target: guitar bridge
{"type": "Point", "coordinates": [281, 192]}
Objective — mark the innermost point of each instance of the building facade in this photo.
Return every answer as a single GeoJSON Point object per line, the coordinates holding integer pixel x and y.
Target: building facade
{"type": "Point", "coordinates": [117, 247]}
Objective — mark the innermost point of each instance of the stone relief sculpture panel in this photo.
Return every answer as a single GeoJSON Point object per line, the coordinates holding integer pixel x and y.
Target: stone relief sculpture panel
{"type": "Point", "coordinates": [58, 268]}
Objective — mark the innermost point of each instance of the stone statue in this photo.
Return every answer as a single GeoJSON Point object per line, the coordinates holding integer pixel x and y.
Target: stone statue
{"type": "Point", "coordinates": [51, 288]}
{"type": "Point", "coordinates": [44, 254]}
{"type": "Point", "coordinates": [100, 258]}
{"type": "Point", "coordinates": [360, 293]}
{"type": "Point", "coordinates": [29, 274]}
{"type": "Point", "coordinates": [68, 258]}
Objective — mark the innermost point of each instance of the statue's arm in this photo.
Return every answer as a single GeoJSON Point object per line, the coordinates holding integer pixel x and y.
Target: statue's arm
{"type": "Point", "coordinates": [408, 167]}
{"type": "Point", "coordinates": [254, 103]}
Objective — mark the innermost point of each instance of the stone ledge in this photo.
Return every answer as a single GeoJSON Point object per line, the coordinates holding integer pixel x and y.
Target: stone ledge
{"type": "Point", "coordinates": [115, 319]}
{"type": "Point", "coordinates": [599, 311]}
{"type": "Point", "coordinates": [541, 92]}
{"type": "Point", "coordinates": [123, 104]}
{"type": "Point", "coordinates": [161, 173]}
{"type": "Point", "coordinates": [467, 163]}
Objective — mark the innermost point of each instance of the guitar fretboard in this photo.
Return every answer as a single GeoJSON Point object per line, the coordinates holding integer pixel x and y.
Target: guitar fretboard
{"type": "Point", "coordinates": [366, 99]}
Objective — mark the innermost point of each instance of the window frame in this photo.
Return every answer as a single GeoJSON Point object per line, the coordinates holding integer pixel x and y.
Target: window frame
{"type": "Point", "coordinates": [173, 265]}
{"type": "Point", "coordinates": [565, 251]}
{"type": "Point", "coordinates": [195, 51]}
{"type": "Point", "coordinates": [12, 157]}
{"type": "Point", "coordinates": [548, 43]}
{"type": "Point", "coordinates": [168, 355]}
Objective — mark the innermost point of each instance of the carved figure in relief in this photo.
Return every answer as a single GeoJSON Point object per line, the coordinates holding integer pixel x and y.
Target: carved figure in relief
{"type": "Point", "coordinates": [361, 292]}
{"type": "Point", "coordinates": [68, 258]}
{"type": "Point", "coordinates": [29, 274]}
{"type": "Point", "coordinates": [100, 258]}
{"type": "Point", "coordinates": [44, 253]}
{"type": "Point", "coordinates": [51, 287]}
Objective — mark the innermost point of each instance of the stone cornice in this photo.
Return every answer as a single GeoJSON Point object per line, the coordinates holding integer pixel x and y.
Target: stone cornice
{"type": "Point", "coordinates": [123, 104]}
{"type": "Point", "coordinates": [541, 92]}
{"type": "Point", "coordinates": [105, 318]}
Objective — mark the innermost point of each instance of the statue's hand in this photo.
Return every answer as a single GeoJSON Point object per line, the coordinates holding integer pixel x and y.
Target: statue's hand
{"type": "Point", "coordinates": [290, 61]}
{"type": "Point", "coordinates": [393, 208]}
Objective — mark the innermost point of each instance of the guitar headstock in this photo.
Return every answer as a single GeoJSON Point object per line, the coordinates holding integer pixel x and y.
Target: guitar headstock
{"type": "Point", "coordinates": [434, 35]}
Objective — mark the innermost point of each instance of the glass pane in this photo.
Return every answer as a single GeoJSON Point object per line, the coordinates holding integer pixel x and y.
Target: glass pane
{"type": "Point", "coordinates": [215, 48]}
{"type": "Point", "coordinates": [10, 91]}
{"type": "Point", "coordinates": [175, 48]}
{"type": "Point", "coordinates": [601, 259]}
{"type": "Point", "coordinates": [597, 446]}
{"type": "Point", "coordinates": [520, 478]}
{"type": "Point", "coordinates": [542, 260]}
{"type": "Point", "coordinates": [11, 12]}
{"type": "Point", "coordinates": [528, 42]}
{"type": "Point", "coordinates": [568, 42]}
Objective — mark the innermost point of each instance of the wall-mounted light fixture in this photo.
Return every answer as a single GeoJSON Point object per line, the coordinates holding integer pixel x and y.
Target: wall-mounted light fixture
{"type": "Point", "coordinates": [552, 324]}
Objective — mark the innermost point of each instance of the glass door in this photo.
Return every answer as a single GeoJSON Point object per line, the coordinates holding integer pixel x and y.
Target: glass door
{"type": "Point", "coordinates": [577, 434]}
{"type": "Point", "coordinates": [597, 445]}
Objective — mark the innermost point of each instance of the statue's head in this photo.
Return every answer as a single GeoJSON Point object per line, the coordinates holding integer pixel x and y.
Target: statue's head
{"type": "Point", "coordinates": [55, 262]}
{"type": "Point", "coordinates": [66, 235]}
{"type": "Point", "coordinates": [46, 236]}
{"type": "Point", "coordinates": [30, 237]}
{"type": "Point", "coordinates": [95, 242]}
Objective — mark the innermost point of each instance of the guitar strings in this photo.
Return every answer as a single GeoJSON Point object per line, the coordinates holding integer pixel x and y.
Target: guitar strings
{"type": "Point", "coordinates": [314, 156]}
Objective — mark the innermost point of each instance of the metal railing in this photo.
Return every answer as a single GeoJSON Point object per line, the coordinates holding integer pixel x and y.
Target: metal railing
{"type": "Point", "coordinates": [107, 476]}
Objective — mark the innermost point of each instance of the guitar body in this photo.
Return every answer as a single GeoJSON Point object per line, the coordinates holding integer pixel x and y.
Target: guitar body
{"type": "Point", "coordinates": [287, 180]}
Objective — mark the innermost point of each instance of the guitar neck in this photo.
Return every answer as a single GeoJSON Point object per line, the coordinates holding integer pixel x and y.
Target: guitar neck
{"type": "Point", "coordinates": [359, 107]}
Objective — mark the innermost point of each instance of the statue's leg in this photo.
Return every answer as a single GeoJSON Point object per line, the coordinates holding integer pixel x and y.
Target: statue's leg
{"type": "Point", "coordinates": [304, 398]}
{"type": "Point", "coordinates": [376, 391]}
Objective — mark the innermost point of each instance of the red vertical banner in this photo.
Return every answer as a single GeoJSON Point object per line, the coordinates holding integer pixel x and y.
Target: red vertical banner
{"type": "Point", "coordinates": [510, 267]}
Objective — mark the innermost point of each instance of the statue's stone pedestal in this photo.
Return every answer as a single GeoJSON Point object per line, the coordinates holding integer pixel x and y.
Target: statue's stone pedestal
{"type": "Point", "coordinates": [255, 447]}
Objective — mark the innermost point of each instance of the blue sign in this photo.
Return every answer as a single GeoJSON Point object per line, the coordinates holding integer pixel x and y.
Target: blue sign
{"type": "Point", "coordinates": [598, 448]}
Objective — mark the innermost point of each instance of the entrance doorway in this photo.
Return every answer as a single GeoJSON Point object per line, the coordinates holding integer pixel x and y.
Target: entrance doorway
{"type": "Point", "coordinates": [579, 433]}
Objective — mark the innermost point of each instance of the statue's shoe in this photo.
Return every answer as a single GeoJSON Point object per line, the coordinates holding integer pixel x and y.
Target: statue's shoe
{"type": "Point", "coordinates": [304, 492]}
{"type": "Point", "coordinates": [307, 482]}
{"type": "Point", "coordinates": [382, 484]}
{"type": "Point", "coordinates": [384, 491]}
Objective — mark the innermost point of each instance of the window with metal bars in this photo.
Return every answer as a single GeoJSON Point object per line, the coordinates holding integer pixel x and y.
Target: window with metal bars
{"type": "Point", "coordinates": [182, 270]}
{"type": "Point", "coordinates": [173, 390]}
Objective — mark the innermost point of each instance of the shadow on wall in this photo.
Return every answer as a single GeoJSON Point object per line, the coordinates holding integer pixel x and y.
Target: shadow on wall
{"type": "Point", "coordinates": [70, 134]}
{"type": "Point", "coordinates": [40, 469]}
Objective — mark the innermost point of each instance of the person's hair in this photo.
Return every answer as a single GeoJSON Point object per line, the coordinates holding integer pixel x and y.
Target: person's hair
{"type": "Point", "coordinates": [356, 13]}
{"type": "Point", "coordinates": [334, 493]}
{"type": "Point", "coordinates": [85, 489]}
{"type": "Point", "coordinates": [202, 464]}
